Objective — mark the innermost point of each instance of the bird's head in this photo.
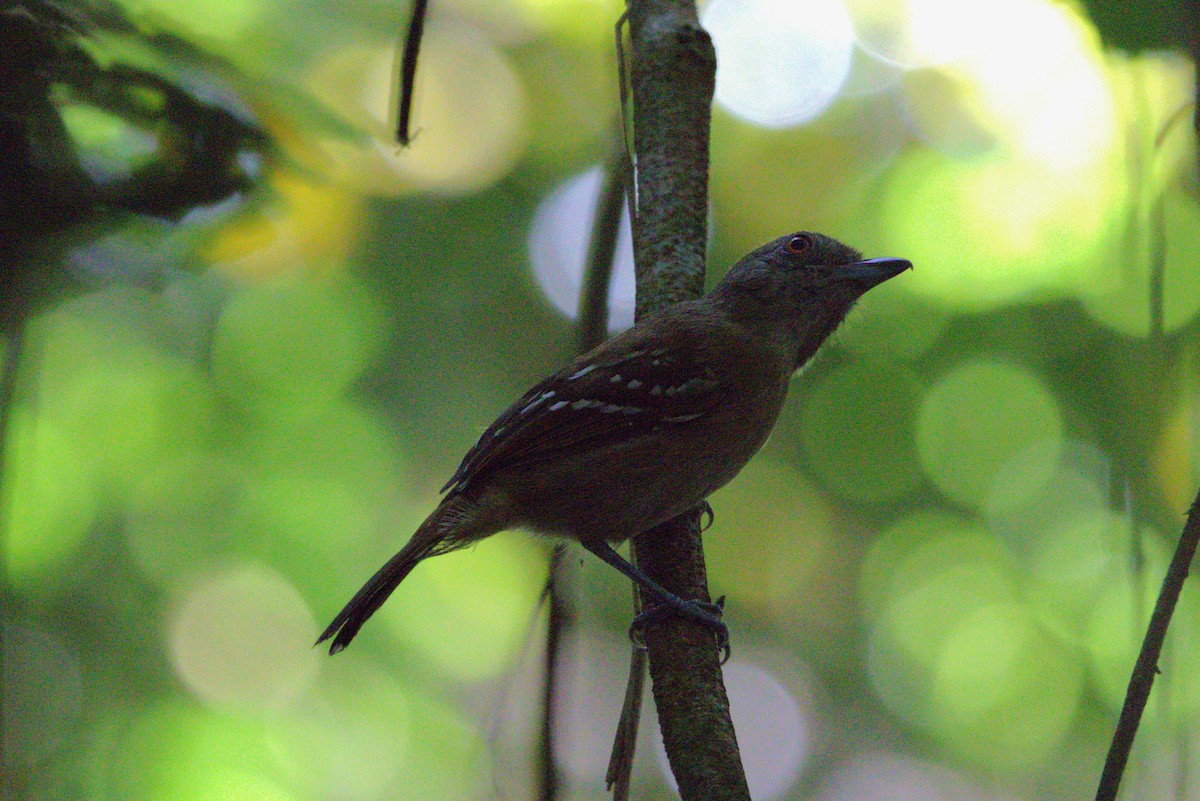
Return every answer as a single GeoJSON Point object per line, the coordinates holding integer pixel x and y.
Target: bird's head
{"type": "Point", "coordinates": [796, 289]}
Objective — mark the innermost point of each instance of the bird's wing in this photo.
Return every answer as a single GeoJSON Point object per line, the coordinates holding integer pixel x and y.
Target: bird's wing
{"type": "Point", "coordinates": [626, 386]}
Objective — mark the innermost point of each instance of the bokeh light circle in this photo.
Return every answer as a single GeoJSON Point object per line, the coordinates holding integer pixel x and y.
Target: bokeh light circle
{"type": "Point", "coordinates": [1021, 189]}
{"type": "Point", "coordinates": [180, 750]}
{"type": "Point", "coordinates": [880, 775]}
{"type": "Point", "coordinates": [352, 735]}
{"type": "Point", "coordinates": [975, 419]}
{"type": "Point", "coordinates": [244, 638]}
{"type": "Point", "coordinates": [49, 499]}
{"type": "Point", "coordinates": [1074, 560]}
{"type": "Point", "coordinates": [1004, 690]}
{"type": "Point", "coordinates": [293, 344]}
{"type": "Point", "coordinates": [437, 613]}
{"type": "Point", "coordinates": [582, 745]}
{"type": "Point", "coordinates": [469, 112]}
{"type": "Point", "coordinates": [918, 33]}
{"type": "Point", "coordinates": [994, 229]}
{"type": "Point", "coordinates": [1047, 481]}
{"type": "Point", "coordinates": [782, 61]}
{"type": "Point", "coordinates": [920, 576]}
{"type": "Point", "coordinates": [775, 730]}
{"type": "Point", "coordinates": [558, 245]}
{"type": "Point", "coordinates": [955, 650]}
{"type": "Point", "coordinates": [469, 123]}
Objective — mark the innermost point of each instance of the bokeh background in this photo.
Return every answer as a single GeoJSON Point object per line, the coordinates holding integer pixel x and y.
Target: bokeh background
{"type": "Point", "coordinates": [937, 571]}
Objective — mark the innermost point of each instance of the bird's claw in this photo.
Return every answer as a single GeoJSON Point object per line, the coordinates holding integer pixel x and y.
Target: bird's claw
{"type": "Point", "coordinates": [703, 612]}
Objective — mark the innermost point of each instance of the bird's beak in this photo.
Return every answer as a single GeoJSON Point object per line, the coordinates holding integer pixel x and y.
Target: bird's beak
{"type": "Point", "coordinates": [874, 271]}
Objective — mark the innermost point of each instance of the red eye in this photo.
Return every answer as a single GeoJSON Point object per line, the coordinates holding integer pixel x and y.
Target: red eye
{"type": "Point", "coordinates": [800, 244]}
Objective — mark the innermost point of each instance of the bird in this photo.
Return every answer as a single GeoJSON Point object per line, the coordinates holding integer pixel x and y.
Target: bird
{"type": "Point", "coordinates": [645, 426]}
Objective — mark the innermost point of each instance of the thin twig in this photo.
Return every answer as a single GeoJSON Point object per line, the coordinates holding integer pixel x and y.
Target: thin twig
{"type": "Point", "coordinates": [559, 620]}
{"type": "Point", "coordinates": [10, 357]}
{"type": "Point", "coordinates": [630, 173]}
{"type": "Point", "coordinates": [620, 761]}
{"type": "Point", "coordinates": [408, 70]}
{"type": "Point", "coordinates": [1146, 667]}
{"type": "Point", "coordinates": [602, 250]}
{"type": "Point", "coordinates": [10, 354]}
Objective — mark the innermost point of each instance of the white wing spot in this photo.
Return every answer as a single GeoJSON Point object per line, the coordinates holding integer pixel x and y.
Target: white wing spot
{"type": "Point", "coordinates": [545, 396]}
{"type": "Point", "coordinates": [581, 372]}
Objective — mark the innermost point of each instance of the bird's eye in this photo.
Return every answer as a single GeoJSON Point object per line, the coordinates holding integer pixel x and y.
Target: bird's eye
{"type": "Point", "coordinates": [800, 244]}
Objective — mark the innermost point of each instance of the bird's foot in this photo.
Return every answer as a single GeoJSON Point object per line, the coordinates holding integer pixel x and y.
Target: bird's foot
{"type": "Point", "coordinates": [702, 612]}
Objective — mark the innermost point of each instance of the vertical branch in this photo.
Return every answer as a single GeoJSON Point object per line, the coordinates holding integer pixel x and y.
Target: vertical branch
{"type": "Point", "coordinates": [673, 73]}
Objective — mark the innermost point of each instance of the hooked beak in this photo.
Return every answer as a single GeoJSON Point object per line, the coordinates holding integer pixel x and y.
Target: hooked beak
{"type": "Point", "coordinates": [874, 271]}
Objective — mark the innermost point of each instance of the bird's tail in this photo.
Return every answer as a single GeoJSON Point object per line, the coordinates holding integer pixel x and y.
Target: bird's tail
{"type": "Point", "coordinates": [446, 529]}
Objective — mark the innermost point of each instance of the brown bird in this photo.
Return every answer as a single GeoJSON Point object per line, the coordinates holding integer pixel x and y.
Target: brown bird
{"type": "Point", "coordinates": [644, 427]}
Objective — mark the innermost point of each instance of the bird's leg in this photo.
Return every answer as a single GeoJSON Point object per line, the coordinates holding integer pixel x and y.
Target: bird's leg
{"type": "Point", "coordinates": [707, 614]}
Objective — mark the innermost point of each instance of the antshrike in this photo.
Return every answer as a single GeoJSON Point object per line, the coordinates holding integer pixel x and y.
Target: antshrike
{"type": "Point", "coordinates": [647, 425]}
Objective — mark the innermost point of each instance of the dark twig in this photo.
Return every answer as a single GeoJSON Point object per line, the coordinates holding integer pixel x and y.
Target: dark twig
{"type": "Point", "coordinates": [626, 120]}
{"type": "Point", "coordinates": [1191, 28]}
{"type": "Point", "coordinates": [1157, 227]}
{"type": "Point", "coordinates": [591, 330]}
{"type": "Point", "coordinates": [593, 300]}
{"type": "Point", "coordinates": [9, 361]}
{"type": "Point", "coordinates": [1146, 667]}
{"type": "Point", "coordinates": [672, 74]}
{"type": "Point", "coordinates": [559, 619]}
{"type": "Point", "coordinates": [620, 761]}
{"type": "Point", "coordinates": [408, 70]}
{"type": "Point", "coordinates": [10, 356]}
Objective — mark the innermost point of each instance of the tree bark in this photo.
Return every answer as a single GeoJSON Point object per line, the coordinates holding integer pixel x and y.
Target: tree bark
{"type": "Point", "coordinates": [672, 75]}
